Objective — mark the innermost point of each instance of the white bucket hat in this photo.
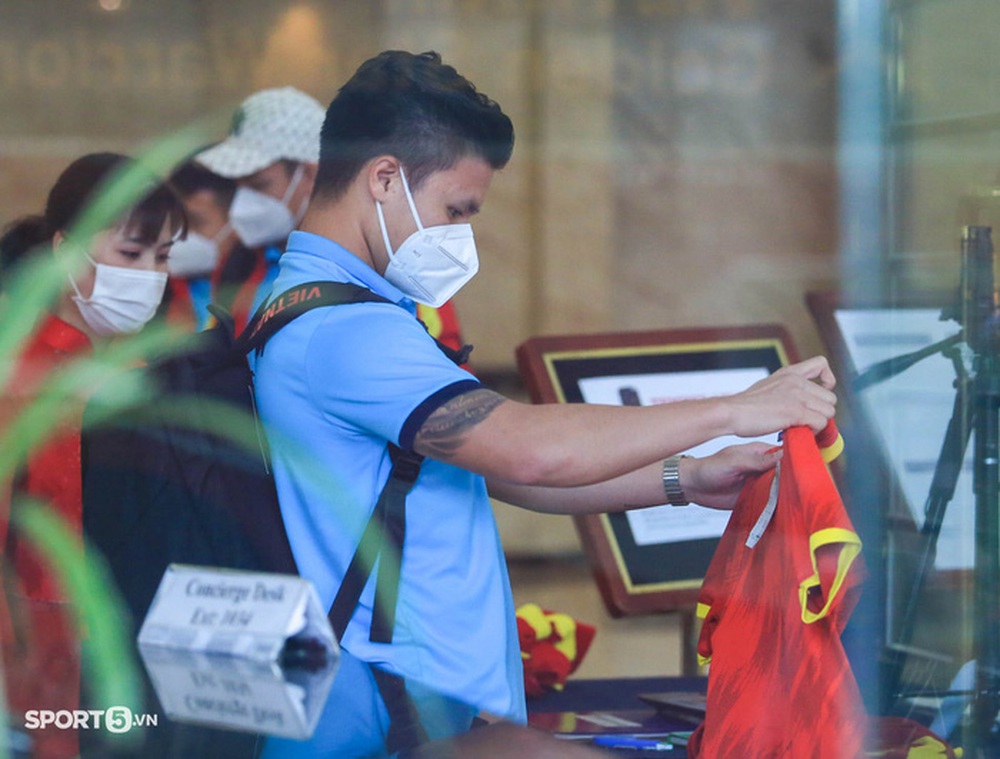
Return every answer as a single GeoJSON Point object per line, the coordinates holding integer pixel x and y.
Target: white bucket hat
{"type": "Point", "coordinates": [269, 126]}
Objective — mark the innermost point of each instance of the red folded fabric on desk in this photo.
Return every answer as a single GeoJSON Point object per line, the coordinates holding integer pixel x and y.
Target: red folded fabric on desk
{"type": "Point", "coordinates": [552, 647]}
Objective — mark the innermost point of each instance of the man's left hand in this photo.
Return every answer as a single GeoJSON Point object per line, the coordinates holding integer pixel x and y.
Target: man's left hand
{"type": "Point", "coordinates": [715, 481]}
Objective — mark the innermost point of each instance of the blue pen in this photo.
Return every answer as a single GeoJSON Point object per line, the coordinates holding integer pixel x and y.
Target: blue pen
{"type": "Point", "coordinates": [625, 741]}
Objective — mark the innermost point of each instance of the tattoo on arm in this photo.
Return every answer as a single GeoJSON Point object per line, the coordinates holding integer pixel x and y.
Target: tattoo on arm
{"type": "Point", "coordinates": [448, 427]}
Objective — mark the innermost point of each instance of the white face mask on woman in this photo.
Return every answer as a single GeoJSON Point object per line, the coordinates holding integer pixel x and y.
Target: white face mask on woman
{"type": "Point", "coordinates": [196, 255]}
{"type": "Point", "coordinates": [433, 263]}
{"type": "Point", "coordinates": [259, 219]}
{"type": "Point", "coordinates": [123, 300]}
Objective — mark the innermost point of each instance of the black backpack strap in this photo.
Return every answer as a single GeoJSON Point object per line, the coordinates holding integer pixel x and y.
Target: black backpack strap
{"type": "Point", "coordinates": [459, 357]}
{"type": "Point", "coordinates": [382, 538]}
{"type": "Point", "coordinates": [405, 729]}
{"type": "Point", "coordinates": [385, 532]}
{"type": "Point", "coordinates": [275, 313]}
{"type": "Point", "coordinates": [405, 470]}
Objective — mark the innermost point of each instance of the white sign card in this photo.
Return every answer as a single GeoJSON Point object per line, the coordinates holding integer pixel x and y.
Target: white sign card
{"type": "Point", "coordinates": [910, 412]}
{"type": "Point", "coordinates": [243, 614]}
{"type": "Point", "coordinates": [667, 524]}
{"type": "Point", "coordinates": [238, 694]}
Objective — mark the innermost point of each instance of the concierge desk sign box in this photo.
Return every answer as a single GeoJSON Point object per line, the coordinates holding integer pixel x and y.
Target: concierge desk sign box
{"type": "Point", "coordinates": [239, 650]}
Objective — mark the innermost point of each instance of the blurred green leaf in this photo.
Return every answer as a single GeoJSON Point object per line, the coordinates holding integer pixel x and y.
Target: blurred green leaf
{"type": "Point", "coordinates": [28, 293]}
{"type": "Point", "coordinates": [68, 386]}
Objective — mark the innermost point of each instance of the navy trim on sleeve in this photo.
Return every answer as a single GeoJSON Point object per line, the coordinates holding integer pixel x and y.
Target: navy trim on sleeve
{"type": "Point", "coordinates": [419, 415]}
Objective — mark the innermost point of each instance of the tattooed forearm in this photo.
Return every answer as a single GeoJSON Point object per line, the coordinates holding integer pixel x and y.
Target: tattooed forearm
{"type": "Point", "coordinates": [446, 429]}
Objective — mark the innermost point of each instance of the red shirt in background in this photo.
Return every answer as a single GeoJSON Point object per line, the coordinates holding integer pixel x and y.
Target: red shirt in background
{"type": "Point", "coordinates": [442, 323]}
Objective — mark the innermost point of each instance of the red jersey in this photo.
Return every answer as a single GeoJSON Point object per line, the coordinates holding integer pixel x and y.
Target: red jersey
{"type": "Point", "coordinates": [780, 684]}
{"type": "Point", "coordinates": [52, 473]}
{"type": "Point", "coordinates": [180, 308]}
{"type": "Point", "coordinates": [41, 650]}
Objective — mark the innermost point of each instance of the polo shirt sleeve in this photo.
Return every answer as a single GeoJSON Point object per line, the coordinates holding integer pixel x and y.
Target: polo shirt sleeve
{"type": "Point", "coordinates": [373, 367]}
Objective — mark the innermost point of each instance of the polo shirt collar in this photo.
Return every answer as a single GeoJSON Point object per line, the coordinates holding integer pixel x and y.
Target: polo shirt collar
{"type": "Point", "coordinates": [328, 250]}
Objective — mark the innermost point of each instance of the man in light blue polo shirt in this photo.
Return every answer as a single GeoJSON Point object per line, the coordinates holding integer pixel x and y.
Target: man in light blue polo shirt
{"type": "Point", "coordinates": [408, 149]}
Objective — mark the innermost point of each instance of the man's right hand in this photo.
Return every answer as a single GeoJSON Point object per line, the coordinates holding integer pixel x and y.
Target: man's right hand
{"type": "Point", "coordinates": [800, 394]}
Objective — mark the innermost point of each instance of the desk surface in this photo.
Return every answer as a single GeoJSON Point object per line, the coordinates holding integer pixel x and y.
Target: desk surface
{"type": "Point", "coordinates": [586, 708]}
{"type": "Point", "coordinates": [614, 694]}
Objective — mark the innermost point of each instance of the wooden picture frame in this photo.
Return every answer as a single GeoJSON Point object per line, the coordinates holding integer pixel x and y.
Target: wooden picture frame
{"type": "Point", "coordinates": [639, 575]}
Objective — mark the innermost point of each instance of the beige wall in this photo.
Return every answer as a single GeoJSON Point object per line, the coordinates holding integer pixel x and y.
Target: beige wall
{"type": "Point", "coordinates": [650, 188]}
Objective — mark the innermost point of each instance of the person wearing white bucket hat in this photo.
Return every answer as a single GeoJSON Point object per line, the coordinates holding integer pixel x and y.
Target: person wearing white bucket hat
{"type": "Point", "coordinates": [271, 152]}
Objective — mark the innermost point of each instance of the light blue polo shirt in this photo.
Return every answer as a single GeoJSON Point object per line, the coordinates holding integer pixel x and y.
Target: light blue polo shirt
{"type": "Point", "coordinates": [332, 387]}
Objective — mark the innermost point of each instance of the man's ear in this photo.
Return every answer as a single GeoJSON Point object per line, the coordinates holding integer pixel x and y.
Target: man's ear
{"type": "Point", "coordinates": [382, 172]}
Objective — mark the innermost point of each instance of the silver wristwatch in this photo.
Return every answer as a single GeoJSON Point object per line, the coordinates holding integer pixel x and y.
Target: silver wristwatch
{"type": "Point", "coordinates": [672, 482]}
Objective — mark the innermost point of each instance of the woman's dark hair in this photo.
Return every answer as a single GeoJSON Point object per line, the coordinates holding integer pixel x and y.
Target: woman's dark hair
{"type": "Point", "coordinates": [74, 190]}
{"type": "Point", "coordinates": [416, 108]}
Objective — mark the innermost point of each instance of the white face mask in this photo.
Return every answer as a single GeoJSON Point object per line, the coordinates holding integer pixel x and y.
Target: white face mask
{"type": "Point", "coordinates": [259, 219]}
{"type": "Point", "coordinates": [433, 263]}
{"type": "Point", "coordinates": [196, 255]}
{"type": "Point", "coordinates": [122, 301]}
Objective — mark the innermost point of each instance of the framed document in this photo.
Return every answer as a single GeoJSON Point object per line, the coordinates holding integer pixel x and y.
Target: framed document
{"type": "Point", "coordinates": [903, 416]}
{"type": "Point", "coordinates": [652, 560]}
{"type": "Point", "coordinates": [896, 422]}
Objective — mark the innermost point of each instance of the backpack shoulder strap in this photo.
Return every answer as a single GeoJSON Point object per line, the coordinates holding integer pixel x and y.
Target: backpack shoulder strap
{"type": "Point", "coordinates": [384, 534]}
{"type": "Point", "coordinates": [387, 524]}
{"type": "Point", "coordinates": [383, 538]}
{"type": "Point", "coordinates": [275, 313]}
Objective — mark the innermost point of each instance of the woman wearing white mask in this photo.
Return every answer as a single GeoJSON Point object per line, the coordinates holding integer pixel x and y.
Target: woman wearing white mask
{"type": "Point", "coordinates": [117, 291]}
{"type": "Point", "coordinates": [121, 288]}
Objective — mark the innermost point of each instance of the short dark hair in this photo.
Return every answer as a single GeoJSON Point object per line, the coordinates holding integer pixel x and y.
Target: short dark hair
{"type": "Point", "coordinates": [76, 188]}
{"type": "Point", "coordinates": [415, 108]}
{"type": "Point", "coordinates": [191, 177]}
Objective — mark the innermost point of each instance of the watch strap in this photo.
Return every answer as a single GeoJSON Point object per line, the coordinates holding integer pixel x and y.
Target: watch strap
{"type": "Point", "coordinates": [672, 481]}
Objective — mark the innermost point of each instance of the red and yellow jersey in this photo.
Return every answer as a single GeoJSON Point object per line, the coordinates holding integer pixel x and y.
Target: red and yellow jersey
{"type": "Point", "coordinates": [442, 323]}
{"type": "Point", "coordinates": [775, 599]}
{"type": "Point", "coordinates": [552, 647]}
